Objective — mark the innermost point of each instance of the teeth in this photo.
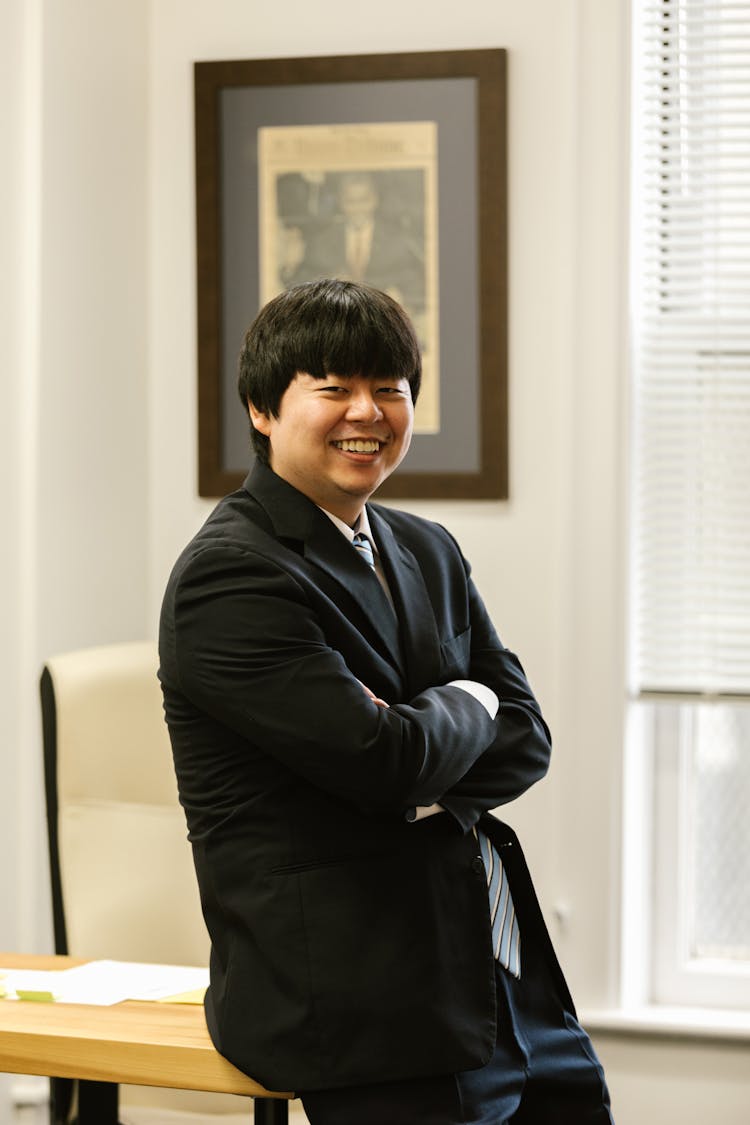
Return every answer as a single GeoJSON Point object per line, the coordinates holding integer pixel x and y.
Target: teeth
{"type": "Point", "coordinates": [358, 446]}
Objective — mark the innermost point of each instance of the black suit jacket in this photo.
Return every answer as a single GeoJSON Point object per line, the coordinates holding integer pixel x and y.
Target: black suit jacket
{"type": "Point", "coordinates": [348, 944]}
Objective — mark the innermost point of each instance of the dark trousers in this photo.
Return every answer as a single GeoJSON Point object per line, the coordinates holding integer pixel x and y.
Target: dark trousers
{"type": "Point", "coordinates": [544, 1071]}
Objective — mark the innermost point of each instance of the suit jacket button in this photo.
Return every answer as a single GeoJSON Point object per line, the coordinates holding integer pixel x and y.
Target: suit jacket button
{"type": "Point", "coordinates": [477, 865]}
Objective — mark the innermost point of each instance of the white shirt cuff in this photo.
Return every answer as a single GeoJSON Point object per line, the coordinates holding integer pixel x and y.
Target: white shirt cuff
{"type": "Point", "coordinates": [481, 692]}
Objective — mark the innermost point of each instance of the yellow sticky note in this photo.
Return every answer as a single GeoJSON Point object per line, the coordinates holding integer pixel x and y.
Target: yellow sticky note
{"type": "Point", "coordinates": [37, 995]}
{"type": "Point", "coordinates": [194, 996]}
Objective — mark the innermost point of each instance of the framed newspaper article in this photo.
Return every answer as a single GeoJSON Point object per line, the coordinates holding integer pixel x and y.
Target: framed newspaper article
{"type": "Point", "coordinates": [390, 169]}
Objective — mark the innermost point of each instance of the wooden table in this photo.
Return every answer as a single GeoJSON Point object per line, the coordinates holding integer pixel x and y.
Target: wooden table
{"type": "Point", "coordinates": [146, 1044]}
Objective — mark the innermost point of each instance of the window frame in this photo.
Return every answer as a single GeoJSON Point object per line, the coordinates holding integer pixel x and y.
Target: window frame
{"type": "Point", "coordinates": [657, 965]}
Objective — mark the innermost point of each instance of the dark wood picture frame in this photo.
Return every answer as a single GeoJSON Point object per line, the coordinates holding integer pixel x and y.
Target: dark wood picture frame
{"type": "Point", "coordinates": [472, 262]}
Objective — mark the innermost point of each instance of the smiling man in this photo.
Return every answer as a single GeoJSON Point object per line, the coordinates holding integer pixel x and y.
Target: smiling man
{"type": "Point", "coordinates": [343, 715]}
{"type": "Point", "coordinates": [338, 437]}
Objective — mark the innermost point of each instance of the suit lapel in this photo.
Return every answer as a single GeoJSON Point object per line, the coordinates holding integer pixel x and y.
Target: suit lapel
{"type": "Point", "coordinates": [299, 524]}
{"type": "Point", "coordinates": [419, 632]}
{"type": "Point", "coordinates": [327, 549]}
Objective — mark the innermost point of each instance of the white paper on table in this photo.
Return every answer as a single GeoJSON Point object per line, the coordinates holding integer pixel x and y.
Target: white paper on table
{"type": "Point", "coordinates": [105, 982]}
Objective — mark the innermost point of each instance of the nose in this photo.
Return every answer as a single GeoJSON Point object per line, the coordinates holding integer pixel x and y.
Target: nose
{"type": "Point", "coordinates": [363, 406]}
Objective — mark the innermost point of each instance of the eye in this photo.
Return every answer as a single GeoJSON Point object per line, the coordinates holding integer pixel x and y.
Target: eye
{"type": "Point", "coordinates": [331, 389]}
{"type": "Point", "coordinates": [398, 391]}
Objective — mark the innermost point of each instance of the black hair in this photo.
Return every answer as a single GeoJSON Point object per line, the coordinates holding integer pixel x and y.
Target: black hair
{"type": "Point", "coordinates": [324, 328]}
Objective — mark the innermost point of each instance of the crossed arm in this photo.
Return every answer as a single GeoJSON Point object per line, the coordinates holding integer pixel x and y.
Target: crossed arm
{"type": "Point", "coordinates": [247, 643]}
{"type": "Point", "coordinates": [489, 701]}
{"type": "Point", "coordinates": [508, 767]}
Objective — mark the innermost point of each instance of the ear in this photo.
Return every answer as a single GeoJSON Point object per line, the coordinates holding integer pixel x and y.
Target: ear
{"type": "Point", "coordinates": [259, 419]}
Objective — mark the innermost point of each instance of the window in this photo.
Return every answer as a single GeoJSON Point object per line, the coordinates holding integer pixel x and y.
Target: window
{"type": "Point", "coordinates": [690, 591]}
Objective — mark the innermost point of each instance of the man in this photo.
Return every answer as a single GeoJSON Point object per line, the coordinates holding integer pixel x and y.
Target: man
{"type": "Point", "coordinates": [343, 715]}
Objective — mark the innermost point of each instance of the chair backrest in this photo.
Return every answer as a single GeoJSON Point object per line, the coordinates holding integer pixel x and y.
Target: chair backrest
{"type": "Point", "coordinates": [122, 875]}
{"type": "Point", "coordinates": [123, 885]}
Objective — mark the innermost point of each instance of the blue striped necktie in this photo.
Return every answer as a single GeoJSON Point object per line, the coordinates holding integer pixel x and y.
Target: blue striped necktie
{"type": "Point", "coordinates": [363, 547]}
{"type": "Point", "coordinates": [506, 936]}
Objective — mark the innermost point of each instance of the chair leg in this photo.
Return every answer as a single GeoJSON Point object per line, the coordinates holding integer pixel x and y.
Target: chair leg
{"type": "Point", "coordinates": [97, 1103]}
{"type": "Point", "coordinates": [270, 1111]}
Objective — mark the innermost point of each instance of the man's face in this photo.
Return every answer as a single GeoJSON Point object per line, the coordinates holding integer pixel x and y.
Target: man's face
{"type": "Point", "coordinates": [358, 202]}
{"type": "Point", "coordinates": [336, 439]}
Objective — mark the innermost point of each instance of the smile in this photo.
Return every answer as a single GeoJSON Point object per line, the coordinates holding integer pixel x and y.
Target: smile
{"type": "Point", "coordinates": [358, 445]}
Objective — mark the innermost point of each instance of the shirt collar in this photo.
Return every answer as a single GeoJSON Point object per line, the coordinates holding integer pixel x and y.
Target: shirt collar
{"type": "Point", "coordinates": [362, 526]}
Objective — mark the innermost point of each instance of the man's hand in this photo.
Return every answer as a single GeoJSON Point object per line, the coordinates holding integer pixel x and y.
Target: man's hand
{"type": "Point", "coordinates": [421, 811]}
{"type": "Point", "coordinates": [371, 695]}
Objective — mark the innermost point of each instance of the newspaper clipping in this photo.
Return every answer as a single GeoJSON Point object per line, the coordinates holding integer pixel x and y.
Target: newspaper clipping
{"type": "Point", "coordinates": [356, 202]}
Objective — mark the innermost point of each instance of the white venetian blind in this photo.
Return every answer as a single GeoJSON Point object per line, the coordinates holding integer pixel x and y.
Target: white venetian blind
{"type": "Point", "coordinates": [692, 348]}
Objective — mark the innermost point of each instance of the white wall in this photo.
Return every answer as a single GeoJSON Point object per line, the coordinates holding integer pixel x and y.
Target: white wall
{"type": "Point", "coordinates": [98, 434]}
{"type": "Point", "coordinates": [658, 1080]}
{"type": "Point", "coordinates": [75, 412]}
{"type": "Point", "coordinates": [74, 425]}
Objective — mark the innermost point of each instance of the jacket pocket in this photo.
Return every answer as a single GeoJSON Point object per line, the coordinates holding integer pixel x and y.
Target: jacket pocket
{"type": "Point", "coordinates": [310, 865]}
{"type": "Point", "coordinates": [455, 655]}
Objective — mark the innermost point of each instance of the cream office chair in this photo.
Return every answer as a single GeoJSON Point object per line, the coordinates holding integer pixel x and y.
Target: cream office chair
{"type": "Point", "coordinates": [123, 885]}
